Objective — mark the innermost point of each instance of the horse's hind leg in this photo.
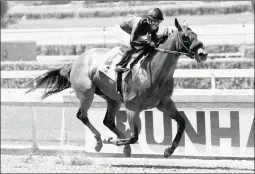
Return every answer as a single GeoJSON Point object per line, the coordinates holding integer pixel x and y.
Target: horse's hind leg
{"type": "Point", "coordinates": [168, 107]}
{"type": "Point", "coordinates": [109, 121]}
{"type": "Point", "coordinates": [82, 114]}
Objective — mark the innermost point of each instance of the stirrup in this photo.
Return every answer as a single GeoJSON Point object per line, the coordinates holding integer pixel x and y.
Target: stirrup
{"type": "Point", "coordinates": [120, 69]}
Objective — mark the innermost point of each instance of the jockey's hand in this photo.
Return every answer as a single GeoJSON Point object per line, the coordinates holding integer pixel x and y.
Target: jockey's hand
{"type": "Point", "coordinates": [152, 44]}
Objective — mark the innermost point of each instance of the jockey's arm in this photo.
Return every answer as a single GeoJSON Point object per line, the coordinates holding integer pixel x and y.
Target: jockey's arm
{"type": "Point", "coordinates": [159, 39]}
{"type": "Point", "coordinates": [134, 36]}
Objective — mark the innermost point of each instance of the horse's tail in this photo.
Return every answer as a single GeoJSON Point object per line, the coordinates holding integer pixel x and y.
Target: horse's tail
{"type": "Point", "coordinates": [53, 81]}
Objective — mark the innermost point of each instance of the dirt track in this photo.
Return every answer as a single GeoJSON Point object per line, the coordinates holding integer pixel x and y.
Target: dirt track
{"type": "Point", "coordinates": [74, 164]}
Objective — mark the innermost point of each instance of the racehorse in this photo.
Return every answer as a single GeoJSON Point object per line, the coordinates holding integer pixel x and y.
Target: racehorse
{"type": "Point", "coordinates": [147, 85]}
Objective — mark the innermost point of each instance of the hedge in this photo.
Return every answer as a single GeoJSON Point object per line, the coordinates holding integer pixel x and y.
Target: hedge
{"type": "Point", "coordinates": [184, 83]}
{"type": "Point", "coordinates": [248, 50]}
{"type": "Point", "coordinates": [111, 12]}
{"type": "Point", "coordinates": [180, 65]}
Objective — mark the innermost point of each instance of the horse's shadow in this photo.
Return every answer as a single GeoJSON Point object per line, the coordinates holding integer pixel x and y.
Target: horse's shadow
{"type": "Point", "coordinates": [179, 167]}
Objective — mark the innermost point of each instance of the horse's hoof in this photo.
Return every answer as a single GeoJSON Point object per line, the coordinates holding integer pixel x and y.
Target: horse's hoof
{"type": "Point", "coordinates": [168, 152]}
{"type": "Point", "coordinates": [98, 146]}
{"type": "Point", "coordinates": [127, 151]}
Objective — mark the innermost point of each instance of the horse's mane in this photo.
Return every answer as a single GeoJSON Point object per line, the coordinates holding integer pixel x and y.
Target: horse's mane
{"type": "Point", "coordinates": [176, 31]}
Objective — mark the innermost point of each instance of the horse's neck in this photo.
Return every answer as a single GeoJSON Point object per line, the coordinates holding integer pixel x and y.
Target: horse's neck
{"type": "Point", "coordinates": [164, 64]}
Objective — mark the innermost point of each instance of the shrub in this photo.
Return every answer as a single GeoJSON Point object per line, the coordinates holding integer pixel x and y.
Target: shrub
{"type": "Point", "coordinates": [111, 12]}
{"type": "Point", "coordinates": [55, 2]}
{"type": "Point", "coordinates": [216, 65]}
{"type": "Point", "coordinates": [234, 83]}
{"type": "Point", "coordinates": [180, 65]}
{"type": "Point", "coordinates": [248, 50]}
{"type": "Point", "coordinates": [29, 67]}
{"type": "Point", "coordinates": [183, 83]}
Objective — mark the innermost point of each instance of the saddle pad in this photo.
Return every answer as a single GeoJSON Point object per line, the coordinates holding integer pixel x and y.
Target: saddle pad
{"type": "Point", "coordinates": [108, 71]}
{"type": "Point", "coordinates": [114, 57]}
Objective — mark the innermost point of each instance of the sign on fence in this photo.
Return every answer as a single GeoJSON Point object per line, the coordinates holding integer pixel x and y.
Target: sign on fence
{"type": "Point", "coordinates": [222, 132]}
{"type": "Point", "coordinates": [18, 51]}
{"type": "Point", "coordinates": [209, 132]}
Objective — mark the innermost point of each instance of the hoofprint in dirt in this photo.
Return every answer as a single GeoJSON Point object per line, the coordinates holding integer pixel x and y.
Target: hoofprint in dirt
{"type": "Point", "coordinates": [81, 163]}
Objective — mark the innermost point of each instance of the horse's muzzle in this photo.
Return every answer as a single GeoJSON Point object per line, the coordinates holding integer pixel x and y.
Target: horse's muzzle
{"type": "Point", "coordinates": [202, 54]}
{"type": "Point", "coordinates": [196, 45]}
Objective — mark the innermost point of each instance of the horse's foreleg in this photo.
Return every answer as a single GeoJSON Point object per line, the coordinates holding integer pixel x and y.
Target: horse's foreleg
{"type": "Point", "coordinates": [133, 124]}
{"type": "Point", "coordinates": [168, 107]}
{"type": "Point", "coordinates": [83, 116]}
{"type": "Point", "coordinates": [109, 121]}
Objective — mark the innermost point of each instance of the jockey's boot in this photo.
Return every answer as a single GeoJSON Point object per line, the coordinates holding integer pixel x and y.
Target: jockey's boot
{"type": "Point", "coordinates": [124, 60]}
{"type": "Point", "coordinates": [120, 95]}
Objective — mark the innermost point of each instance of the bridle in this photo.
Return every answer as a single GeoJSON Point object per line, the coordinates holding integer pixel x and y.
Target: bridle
{"type": "Point", "coordinates": [189, 54]}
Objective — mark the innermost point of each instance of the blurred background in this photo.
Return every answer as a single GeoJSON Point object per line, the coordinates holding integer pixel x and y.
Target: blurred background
{"type": "Point", "coordinates": [33, 31]}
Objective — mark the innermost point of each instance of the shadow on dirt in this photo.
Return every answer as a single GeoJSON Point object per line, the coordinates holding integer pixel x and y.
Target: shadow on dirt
{"type": "Point", "coordinates": [180, 167]}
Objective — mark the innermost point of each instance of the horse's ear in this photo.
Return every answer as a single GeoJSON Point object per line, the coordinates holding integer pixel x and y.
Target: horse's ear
{"type": "Point", "coordinates": [185, 25]}
{"type": "Point", "coordinates": [177, 25]}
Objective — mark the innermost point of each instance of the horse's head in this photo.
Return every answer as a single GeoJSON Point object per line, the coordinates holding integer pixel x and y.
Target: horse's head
{"type": "Point", "coordinates": [188, 42]}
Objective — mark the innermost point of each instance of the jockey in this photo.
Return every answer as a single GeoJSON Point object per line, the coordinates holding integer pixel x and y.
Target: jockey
{"type": "Point", "coordinates": [137, 26]}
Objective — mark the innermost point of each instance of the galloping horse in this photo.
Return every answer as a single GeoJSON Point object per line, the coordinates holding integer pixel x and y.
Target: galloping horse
{"type": "Point", "coordinates": [147, 85]}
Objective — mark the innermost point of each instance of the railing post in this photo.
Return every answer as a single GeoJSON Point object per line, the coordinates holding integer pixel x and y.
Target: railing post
{"type": "Point", "coordinates": [104, 36]}
{"type": "Point", "coordinates": [63, 128]}
{"type": "Point", "coordinates": [34, 131]}
{"type": "Point", "coordinates": [213, 81]}
{"type": "Point", "coordinates": [244, 35]}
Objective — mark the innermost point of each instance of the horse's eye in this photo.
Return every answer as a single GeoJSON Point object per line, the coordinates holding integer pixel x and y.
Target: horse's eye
{"type": "Point", "coordinates": [185, 37]}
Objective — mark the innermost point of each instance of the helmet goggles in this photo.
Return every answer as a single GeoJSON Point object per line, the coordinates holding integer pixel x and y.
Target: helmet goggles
{"type": "Point", "coordinates": [154, 22]}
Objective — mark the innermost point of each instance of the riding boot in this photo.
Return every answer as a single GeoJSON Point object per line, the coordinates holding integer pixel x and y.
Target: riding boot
{"type": "Point", "coordinates": [124, 60]}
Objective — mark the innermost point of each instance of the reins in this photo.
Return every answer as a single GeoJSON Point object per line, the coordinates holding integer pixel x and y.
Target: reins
{"type": "Point", "coordinates": [171, 52]}
{"type": "Point", "coordinates": [174, 52]}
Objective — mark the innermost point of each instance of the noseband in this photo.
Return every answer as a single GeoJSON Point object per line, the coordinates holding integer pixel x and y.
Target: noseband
{"type": "Point", "coordinates": [190, 54]}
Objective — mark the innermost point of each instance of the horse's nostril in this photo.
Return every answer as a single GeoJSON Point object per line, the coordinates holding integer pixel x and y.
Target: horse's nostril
{"type": "Point", "coordinates": [200, 54]}
{"type": "Point", "coordinates": [203, 54]}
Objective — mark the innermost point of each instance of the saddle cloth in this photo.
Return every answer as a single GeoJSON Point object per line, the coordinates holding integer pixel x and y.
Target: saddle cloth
{"type": "Point", "coordinates": [114, 57]}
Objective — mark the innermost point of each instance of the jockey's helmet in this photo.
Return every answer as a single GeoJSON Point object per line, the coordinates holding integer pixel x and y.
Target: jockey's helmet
{"type": "Point", "coordinates": [154, 17]}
